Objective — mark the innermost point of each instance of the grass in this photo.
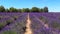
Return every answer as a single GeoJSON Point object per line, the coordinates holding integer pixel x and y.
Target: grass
{"type": "Point", "coordinates": [9, 32]}
{"type": "Point", "coordinates": [1, 25]}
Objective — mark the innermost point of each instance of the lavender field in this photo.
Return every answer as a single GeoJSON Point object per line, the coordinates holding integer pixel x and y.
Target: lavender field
{"type": "Point", "coordinates": [39, 23]}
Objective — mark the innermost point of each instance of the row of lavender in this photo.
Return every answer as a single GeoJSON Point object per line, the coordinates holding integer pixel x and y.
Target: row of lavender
{"type": "Point", "coordinates": [40, 19]}
{"type": "Point", "coordinates": [12, 23]}
{"type": "Point", "coordinates": [50, 18]}
{"type": "Point", "coordinates": [15, 23]}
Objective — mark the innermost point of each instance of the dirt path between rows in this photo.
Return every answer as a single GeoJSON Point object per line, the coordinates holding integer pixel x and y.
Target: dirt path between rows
{"type": "Point", "coordinates": [28, 30]}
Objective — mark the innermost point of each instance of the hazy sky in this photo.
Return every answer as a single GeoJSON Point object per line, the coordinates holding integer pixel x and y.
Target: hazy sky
{"type": "Point", "coordinates": [53, 5]}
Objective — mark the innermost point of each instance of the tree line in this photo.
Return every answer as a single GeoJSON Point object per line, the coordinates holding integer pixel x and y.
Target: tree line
{"type": "Point", "coordinates": [33, 9]}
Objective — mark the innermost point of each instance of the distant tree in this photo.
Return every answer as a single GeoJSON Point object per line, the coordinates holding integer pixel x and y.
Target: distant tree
{"type": "Point", "coordinates": [2, 9]}
{"type": "Point", "coordinates": [41, 10]}
{"type": "Point", "coordinates": [12, 9]}
{"type": "Point", "coordinates": [19, 10]}
{"type": "Point", "coordinates": [35, 9]}
{"type": "Point", "coordinates": [45, 9]}
{"type": "Point", "coordinates": [23, 10]}
{"type": "Point", "coordinates": [6, 10]}
{"type": "Point", "coordinates": [27, 10]}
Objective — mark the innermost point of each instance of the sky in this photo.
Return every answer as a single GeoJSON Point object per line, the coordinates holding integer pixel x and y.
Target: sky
{"type": "Point", "coordinates": [53, 5]}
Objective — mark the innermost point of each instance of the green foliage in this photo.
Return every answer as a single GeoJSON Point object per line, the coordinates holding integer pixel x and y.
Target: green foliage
{"type": "Point", "coordinates": [19, 10]}
{"type": "Point", "coordinates": [6, 10]}
{"type": "Point", "coordinates": [9, 32]}
{"type": "Point", "coordinates": [1, 25]}
{"type": "Point", "coordinates": [1, 17]}
{"type": "Point", "coordinates": [41, 10]}
{"type": "Point", "coordinates": [33, 9]}
{"type": "Point", "coordinates": [45, 9]}
{"type": "Point", "coordinates": [12, 9]}
{"type": "Point", "coordinates": [2, 9]}
{"type": "Point", "coordinates": [23, 10]}
{"type": "Point", "coordinates": [9, 22]}
{"type": "Point", "coordinates": [27, 10]}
